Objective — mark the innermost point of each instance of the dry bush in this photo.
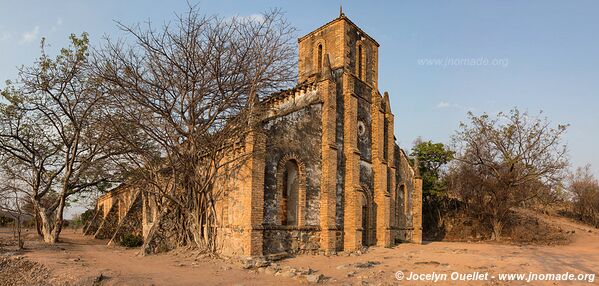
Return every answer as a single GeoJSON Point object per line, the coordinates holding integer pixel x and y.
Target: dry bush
{"type": "Point", "coordinates": [462, 224]}
{"type": "Point", "coordinates": [525, 229]}
{"type": "Point", "coordinates": [505, 162]}
{"type": "Point", "coordinates": [585, 195]}
{"type": "Point", "coordinates": [20, 271]}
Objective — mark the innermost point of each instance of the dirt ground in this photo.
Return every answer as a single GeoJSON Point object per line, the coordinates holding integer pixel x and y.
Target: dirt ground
{"type": "Point", "coordinates": [80, 260]}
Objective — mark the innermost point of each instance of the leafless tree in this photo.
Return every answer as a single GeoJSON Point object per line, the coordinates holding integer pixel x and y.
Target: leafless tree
{"type": "Point", "coordinates": [11, 201]}
{"type": "Point", "coordinates": [585, 190]}
{"type": "Point", "coordinates": [505, 161]}
{"type": "Point", "coordinates": [191, 90]}
{"type": "Point", "coordinates": [52, 133]}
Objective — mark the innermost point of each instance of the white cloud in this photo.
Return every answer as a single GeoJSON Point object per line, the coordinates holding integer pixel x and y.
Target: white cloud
{"type": "Point", "coordinates": [4, 35]}
{"type": "Point", "coordinates": [443, 104]}
{"type": "Point", "coordinates": [30, 36]}
{"type": "Point", "coordinates": [56, 25]}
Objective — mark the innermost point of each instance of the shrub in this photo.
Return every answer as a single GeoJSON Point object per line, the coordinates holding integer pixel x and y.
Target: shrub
{"type": "Point", "coordinates": [132, 240]}
{"type": "Point", "coordinates": [80, 220]}
{"type": "Point", "coordinates": [5, 221]}
{"type": "Point", "coordinates": [585, 190]}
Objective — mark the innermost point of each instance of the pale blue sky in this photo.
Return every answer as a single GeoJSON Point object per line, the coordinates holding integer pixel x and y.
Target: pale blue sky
{"type": "Point", "coordinates": [548, 53]}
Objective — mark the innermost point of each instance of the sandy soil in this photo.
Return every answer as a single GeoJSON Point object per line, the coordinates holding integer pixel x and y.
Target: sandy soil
{"type": "Point", "coordinates": [81, 260]}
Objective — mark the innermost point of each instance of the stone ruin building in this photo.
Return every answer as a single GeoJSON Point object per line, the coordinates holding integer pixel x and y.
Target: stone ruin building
{"type": "Point", "coordinates": [329, 175]}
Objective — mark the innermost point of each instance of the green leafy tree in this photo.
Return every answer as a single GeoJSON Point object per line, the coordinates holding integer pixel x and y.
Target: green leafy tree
{"type": "Point", "coordinates": [432, 157]}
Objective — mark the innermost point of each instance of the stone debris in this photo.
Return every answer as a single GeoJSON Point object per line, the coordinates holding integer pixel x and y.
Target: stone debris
{"type": "Point", "coordinates": [306, 271]}
{"type": "Point", "coordinates": [314, 278]}
{"type": "Point", "coordinates": [269, 270]}
{"type": "Point", "coordinates": [20, 271]}
{"type": "Point", "coordinates": [251, 263]}
{"type": "Point", "coordinates": [367, 264]}
{"type": "Point", "coordinates": [98, 280]}
{"type": "Point", "coordinates": [287, 274]}
{"type": "Point", "coordinates": [428, 263]}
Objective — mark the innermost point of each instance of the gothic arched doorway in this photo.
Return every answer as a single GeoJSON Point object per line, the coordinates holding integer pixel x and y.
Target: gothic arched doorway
{"type": "Point", "coordinates": [290, 195]}
{"type": "Point", "coordinates": [368, 218]}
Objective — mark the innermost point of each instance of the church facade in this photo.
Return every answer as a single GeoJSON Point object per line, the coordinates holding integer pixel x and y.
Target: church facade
{"type": "Point", "coordinates": [325, 174]}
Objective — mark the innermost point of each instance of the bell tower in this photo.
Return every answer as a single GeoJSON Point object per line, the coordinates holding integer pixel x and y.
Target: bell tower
{"type": "Point", "coordinates": [345, 46]}
{"type": "Point", "coordinates": [357, 167]}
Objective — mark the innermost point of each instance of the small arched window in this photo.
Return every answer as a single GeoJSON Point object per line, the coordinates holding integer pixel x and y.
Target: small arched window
{"type": "Point", "coordinates": [360, 62]}
{"type": "Point", "coordinates": [290, 197]}
{"type": "Point", "coordinates": [320, 57]}
{"type": "Point", "coordinates": [399, 197]}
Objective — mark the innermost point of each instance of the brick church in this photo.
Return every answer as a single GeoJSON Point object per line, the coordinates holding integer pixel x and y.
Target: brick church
{"type": "Point", "coordinates": [326, 174]}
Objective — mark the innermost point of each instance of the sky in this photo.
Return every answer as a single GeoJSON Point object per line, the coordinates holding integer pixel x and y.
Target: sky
{"type": "Point", "coordinates": [437, 59]}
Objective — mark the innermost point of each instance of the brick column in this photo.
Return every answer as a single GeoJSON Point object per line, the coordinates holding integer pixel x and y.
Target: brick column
{"type": "Point", "coordinates": [352, 215]}
{"type": "Point", "coordinates": [253, 192]}
{"type": "Point", "coordinates": [379, 165]}
{"type": "Point", "coordinates": [391, 169]}
{"type": "Point", "coordinates": [328, 185]}
{"type": "Point", "coordinates": [417, 210]}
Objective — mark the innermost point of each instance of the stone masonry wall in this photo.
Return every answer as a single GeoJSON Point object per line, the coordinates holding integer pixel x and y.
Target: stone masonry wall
{"type": "Point", "coordinates": [297, 134]}
{"type": "Point", "coordinates": [131, 223]}
{"type": "Point", "coordinates": [291, 240]}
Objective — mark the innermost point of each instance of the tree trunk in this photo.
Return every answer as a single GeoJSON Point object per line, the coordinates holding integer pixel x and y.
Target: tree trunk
{"type": "Point", "coordinates": [46, 227]}
{"type": "Point", "coordinates": [38, 225]}
{"type": "Point", "coordinates": [497, 228]}
{"type": "Point", "coordinates": [19, 237]}
{"type": "Point", "coordinates": [58, 220]}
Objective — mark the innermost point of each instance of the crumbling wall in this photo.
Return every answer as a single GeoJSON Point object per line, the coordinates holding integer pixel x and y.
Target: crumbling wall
{"type": "Point", "coordinates": [405, 193]}
{"type": "Point", "coordinates": [292, 240]}
{"type": "Point", "coordinates": [159, 238]}
{"type": "Point", "coordinates": [109, 223]}
{"type": "Point", "coordinates": [298, 133]}
{"type": "Point", "coordinates": [131, 222]}
{"type": "Point", "coordinates": [339, 203]}
{"type": "Point", "coordinates": [364, 135]}
{"type": "Point", "coordinates": [229, 240]}
{"type": "Point", "coordinates": [364, 127]}
{"type": "Point", "coordinates": [93, 224]}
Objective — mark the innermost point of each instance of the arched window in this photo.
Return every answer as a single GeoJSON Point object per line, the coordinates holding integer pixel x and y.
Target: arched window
{"type": "Point", "coordinates": [320, 57]}
{"type": "Point", "coordinates": [368, 218]}
{"type": "Point", "coordinates": [365, 220]}
{"type": "Point", "coordinates": [360, 60]}
{"type": "Point", "coordinates": [399, 196]}
{"type": "Point", "coordinates": [290, 196]}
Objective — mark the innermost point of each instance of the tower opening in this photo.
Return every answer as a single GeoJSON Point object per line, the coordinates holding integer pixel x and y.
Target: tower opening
{"type": "Point", "coordinates": [320, 58]}
{"type": "Point", "coordinates": [360, 59]}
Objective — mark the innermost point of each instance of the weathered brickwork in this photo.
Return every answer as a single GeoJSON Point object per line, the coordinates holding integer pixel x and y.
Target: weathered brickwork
{"type": "Point", "coordinates": [94, 223]}
{"type": "Point", "coordinates": [325, 173]}
{"type": "Point", "coordinates": [288, 137]}
{"type": "Point", "coordinates": [131, 222]}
